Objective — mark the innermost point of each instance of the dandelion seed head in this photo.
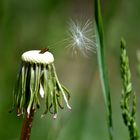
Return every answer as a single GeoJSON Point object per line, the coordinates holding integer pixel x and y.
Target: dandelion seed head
{"type": "Point", "coordinates": [82, 37]}
{"type": "Point", "coordinates": [37, 74]}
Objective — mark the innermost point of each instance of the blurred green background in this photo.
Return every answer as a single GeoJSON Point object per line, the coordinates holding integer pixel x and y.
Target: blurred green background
{"type": "Point", "coordinates": [35, 24]}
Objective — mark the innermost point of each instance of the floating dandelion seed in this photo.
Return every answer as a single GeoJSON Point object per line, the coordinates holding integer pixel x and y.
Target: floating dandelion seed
{"type": "Point", "coordinates": [82, 37]}
{"type": "Point", "coordinates": [37, 78]}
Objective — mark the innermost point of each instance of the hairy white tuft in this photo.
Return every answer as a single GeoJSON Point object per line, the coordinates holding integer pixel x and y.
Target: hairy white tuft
{"type": "Point", "coordinates": [82, 37]}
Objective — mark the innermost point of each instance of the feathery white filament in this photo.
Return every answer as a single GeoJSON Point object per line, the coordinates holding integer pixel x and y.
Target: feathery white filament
{"type": "Point", "coordinates": [35, 56]}
{"type": "Point", "coordinates": [82, 37]}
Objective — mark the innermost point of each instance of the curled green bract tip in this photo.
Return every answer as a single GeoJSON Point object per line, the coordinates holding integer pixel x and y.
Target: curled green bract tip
{"type": "Point", "coordinates": [36, 81]}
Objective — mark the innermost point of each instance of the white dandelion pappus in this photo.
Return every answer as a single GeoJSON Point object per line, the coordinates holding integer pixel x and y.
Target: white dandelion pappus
{"type": "Point", "coordinates": [82, 37]}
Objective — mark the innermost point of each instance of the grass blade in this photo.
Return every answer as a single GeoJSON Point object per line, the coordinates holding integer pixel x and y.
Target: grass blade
{"type": "Point", "coordinates": [102, 66]}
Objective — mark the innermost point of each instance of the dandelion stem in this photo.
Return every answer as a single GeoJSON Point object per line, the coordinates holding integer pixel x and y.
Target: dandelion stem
{"type": "Point", "coordinates": [102, 66]}
{"type": "Point", "coordinates": [27, 125]}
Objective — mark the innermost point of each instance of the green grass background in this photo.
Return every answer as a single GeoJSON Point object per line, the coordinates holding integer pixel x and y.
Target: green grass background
{"type": "Point", "coordinates": [34, 24]}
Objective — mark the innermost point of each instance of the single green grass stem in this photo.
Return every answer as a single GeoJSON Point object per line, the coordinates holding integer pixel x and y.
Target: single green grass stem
{"type": "Point", "coordinates": [103, 66]}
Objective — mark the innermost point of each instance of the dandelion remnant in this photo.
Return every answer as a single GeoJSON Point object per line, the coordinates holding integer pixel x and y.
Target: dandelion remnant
{"type": "Point", "coordinates": [37, 78]}
{"type": "Point", "coordinates": [82, 37]}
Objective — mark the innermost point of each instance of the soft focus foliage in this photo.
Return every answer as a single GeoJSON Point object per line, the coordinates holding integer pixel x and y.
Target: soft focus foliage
{"type": "Point", "coordinates": [35, 24]}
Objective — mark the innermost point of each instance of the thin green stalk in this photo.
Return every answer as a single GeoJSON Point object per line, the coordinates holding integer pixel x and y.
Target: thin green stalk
{"type": "Point", "coordinates": [138, 66]}
{"type": "Point", "coordinates": [102, 66]}
{"type": "Point", "coordinates": [128, 107]}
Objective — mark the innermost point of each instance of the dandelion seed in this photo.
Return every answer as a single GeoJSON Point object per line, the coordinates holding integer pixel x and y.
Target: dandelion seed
{"type": "Point", "coordinates": [82, 37]}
